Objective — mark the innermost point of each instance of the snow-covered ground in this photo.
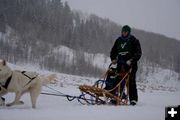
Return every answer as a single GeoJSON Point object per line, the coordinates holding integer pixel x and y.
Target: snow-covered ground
{"type": "Point", "coordinates": [151, 105]}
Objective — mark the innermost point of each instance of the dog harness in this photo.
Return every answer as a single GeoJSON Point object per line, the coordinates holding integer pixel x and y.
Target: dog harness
{"type": "Point", "coordinates": [31, 79]}
{"type": "Point", "coordinates": [5, 86]}
{"type": "Point", "coordinates": [7, 82]}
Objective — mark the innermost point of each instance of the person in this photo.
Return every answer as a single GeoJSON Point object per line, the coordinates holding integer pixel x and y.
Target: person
{"type": "Point", "coordinates": [127, 52]}
{"type": "Point", "coordinates": [112, 80]}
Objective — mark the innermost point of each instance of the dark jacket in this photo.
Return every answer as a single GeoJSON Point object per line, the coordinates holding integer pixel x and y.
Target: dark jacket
{"type": "Point", "coordinates": [126, 48]}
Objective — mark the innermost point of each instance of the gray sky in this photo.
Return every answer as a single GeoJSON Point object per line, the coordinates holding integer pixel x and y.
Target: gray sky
{"type": "Point", "coordinates": [159, 16]}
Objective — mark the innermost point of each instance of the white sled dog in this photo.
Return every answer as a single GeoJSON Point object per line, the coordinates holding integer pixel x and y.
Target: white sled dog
{"type": "Point", "coordinates": [20, 83]}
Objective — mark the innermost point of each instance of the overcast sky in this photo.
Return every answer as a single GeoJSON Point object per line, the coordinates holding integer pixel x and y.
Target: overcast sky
{"type": "Point", "coordinates": [159, 16]}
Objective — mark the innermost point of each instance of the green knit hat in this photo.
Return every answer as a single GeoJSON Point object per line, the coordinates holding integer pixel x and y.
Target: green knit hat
{"type": "Point", "coordinates": [126, 28]}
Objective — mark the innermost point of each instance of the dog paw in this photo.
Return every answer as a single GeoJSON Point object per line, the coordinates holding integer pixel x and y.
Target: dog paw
{"type": "Point", "coordinates": [15, 103]}
{"type": "Point", "coordinates": [20, 103]}
{"type": "Point", "coordinates": [9, 104]}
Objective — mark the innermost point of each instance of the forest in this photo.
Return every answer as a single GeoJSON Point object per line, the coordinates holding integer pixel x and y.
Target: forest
{"type": "Point", "coordinates": [30, 30]}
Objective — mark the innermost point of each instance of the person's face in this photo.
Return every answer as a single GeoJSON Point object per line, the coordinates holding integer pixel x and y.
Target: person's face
{"type": "Point", "coordinates": [125, 33]}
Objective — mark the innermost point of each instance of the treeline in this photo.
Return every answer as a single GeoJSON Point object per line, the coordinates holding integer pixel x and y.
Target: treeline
{"type": "Point", "coordinates": [42, 25]}
{"type": "Point", "coordinates": [52, 21]}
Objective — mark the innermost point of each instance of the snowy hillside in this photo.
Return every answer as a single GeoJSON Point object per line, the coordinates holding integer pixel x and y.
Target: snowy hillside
{"type": "Point", "coordinates": [151, 105]}
{"type": "Point", "coordinates": [97, 60]}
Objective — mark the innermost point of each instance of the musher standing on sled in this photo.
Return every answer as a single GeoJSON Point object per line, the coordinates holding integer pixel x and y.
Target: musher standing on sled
{"type": "Point", "coordinates": [127, 50]}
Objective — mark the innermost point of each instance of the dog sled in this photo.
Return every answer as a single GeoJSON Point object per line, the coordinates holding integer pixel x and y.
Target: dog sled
{"type": "Point", "coordinates": [102, 92]}
{"type": "Point", "coordinates": [117, 95]}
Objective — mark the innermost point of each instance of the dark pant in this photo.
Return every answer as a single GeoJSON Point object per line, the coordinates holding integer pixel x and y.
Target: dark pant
{"type": "Point", "coordinates": [133, 94]}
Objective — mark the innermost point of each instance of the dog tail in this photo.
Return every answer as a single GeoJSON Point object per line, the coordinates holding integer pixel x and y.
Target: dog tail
{"type": "Point", "coordinates": [48, 79]}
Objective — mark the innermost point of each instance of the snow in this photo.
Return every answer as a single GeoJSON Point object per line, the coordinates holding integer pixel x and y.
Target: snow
{"type": "Point", "coordinates": [97, 60]}
{"type": "Point", "coordinates": [151, 103]}
{"type": "Point", "coordinates": [66, 52]}
{"type": "Point", "coordinates": [150, 106]}
{"type": "Point", "coordinates": [158, 79]}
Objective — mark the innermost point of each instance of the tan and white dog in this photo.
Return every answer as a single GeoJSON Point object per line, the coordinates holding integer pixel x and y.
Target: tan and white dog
{"type": "Point", "coordinates": [20, 83]}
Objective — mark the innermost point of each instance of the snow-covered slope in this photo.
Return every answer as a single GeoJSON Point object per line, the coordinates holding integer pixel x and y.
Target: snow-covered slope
{"type": "Point", "coordinates": [151, 103]}
{"type": "Point", "coordinates": [157, 79]}
{"type": "Point", "coordinates": [97, 60]}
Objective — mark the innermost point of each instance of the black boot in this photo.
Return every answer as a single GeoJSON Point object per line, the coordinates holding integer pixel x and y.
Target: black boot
{"type": "Point", "coordinates": [113, 102]}
{"type": "Point", "coordinates": [133, 102]}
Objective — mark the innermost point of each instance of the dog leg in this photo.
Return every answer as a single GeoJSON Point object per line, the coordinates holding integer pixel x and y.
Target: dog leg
{"type": "Point", "coordinates": [34, 93]}
{"type": "Point", "coordinates": [3, 92]}
{"type": "Point", "coordinates": [2, 100]}
{"type": "Point", "coordinates": [17, 100]}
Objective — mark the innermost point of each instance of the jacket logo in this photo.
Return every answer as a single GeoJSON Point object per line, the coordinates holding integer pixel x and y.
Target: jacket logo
{"type": "Point", "coordinates": [123, 45]}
